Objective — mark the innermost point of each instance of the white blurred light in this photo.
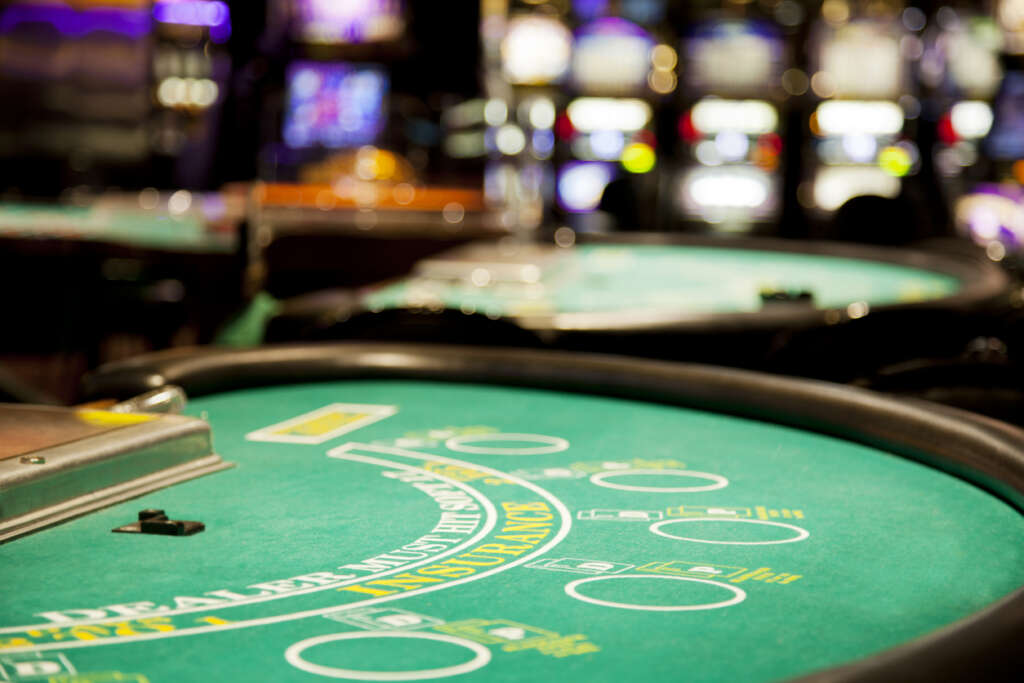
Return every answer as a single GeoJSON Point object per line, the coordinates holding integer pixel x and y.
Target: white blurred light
{"type": "Point", "coordinates": [607, 144]}
{"type": "Point", "coordinates": [707, 153]}
{"type": "Point", "coordinates": [973, 66]}
{"type": "Point", "coordinates": [731, 145]}
{"type": "Point", "coordinates": [179, 202]}
{"type": "Point", "coordinates": [971, 119]}
{"type": "Point", "coordinates": [610, 64]}
{"type": "Point", "coordinates": [187, 92]}
{"type": "Point", "coordinates": [172, 91]}
{"type": "Point", "coordinates": [202, 92]}
{"type": "Point", "coordinates": [860, 49]}
{"type": "Point", "coordinates": [734, 188]}
{"type": "Point", "coordinates": [858, 309]}
{"type": "Point", "coordinates": [602, 113]}
{"type": "Point", "coordinates": [736, 61]}
{"type": "Point", "coordinates": [752, 117]}
{"type": "Point", "coordinates": [860, 147]}
{"type": "Point", "coordinates": [495, 112]}
{"type": "Point", "coordinates": [985, 223]}
{"type": "Point", "coordinates": [536, 50]}
{"type": "Point", "coordinates": [847, 117]}
{"type": "Point", "coordinates": [481, 277]}
{"type": "Point", "coordinates": [542, 113]}
{"type": "Point", "coordinates": [510, 139]}
{"type": "Point", "coordinates": [565, 237]}
{"type": "Point", "coordinates": [833, 186]}
{"type": "Point", "coordinates": [995, 251]}
{"type": "Point", "coordinates": [983, 216]}
{"type": "Point", "coordinates": [580, 186]}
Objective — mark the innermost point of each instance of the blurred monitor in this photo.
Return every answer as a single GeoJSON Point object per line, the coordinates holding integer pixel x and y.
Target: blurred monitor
{"type": "Point", "coordinates": [971, 49]}
{"type": "Point", "coordinates": [536, 50]}
{"type": "Point", "coordinates": [612, 57]}
{"type": "Point", "coordinates": [334, 105]}
{"type": "Point", "coordinates": [1006, 140]}
{"type": "Point", "coordinates": [861, 60]}
{"type": "Point", "coordinates": [733, 56]}
{"type": "Point", "coordinates": [339, 22]}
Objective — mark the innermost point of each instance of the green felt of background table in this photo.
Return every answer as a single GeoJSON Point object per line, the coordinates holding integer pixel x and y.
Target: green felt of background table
{"type": "Point", "coordinates": [895, 549]}
{"type": "Point", "coordinates": [692, 279]}
{"type": "Point", "coordinates": [137, 228]}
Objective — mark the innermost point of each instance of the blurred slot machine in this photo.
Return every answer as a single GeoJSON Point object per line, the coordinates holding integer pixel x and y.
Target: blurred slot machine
{"type": "Point", "coordinates": [114, 93]}
{"type": "Point", "coordinates": [76, 105]}
{"type": "Point", "coordinates": [528, 50]}
{"type": "Point", "coordinates": [986, 160]}
{"type": "Point", "coordinates": [191, 71]}
{"type": "Point", "coordinates": [349, 168]}
{"type": "Point", "coordinates": [730, 130]}
{"type": "Point", "coordinates": [621, 75]}
{"type": "Point", "coordinates": [863, 127]}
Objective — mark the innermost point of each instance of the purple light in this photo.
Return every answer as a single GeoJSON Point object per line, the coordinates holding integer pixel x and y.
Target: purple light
{"type": "Point", "coordinates": [590, 9]}
{"type": "Point", "coordinates": [352, 21]}
{"type": "Point", "coordinates": [612, 26]}
{"type": "Point", "coordinates": [213, 14]}
{"type": "Point", "coordinates": [74, 23]}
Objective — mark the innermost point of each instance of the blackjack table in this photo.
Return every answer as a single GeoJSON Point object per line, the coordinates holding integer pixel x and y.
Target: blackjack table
{"type": "Point", "coordinates": [828, 310]}
{"type": "Point", "coordinates": [397, 512]}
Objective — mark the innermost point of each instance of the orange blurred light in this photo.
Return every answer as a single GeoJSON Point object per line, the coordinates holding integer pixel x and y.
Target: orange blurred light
{"type": "Point", "coordinates": [1018, 171]}
{"type": "Point", "coordinates": [766, 157]}
{"type": "Point", "coordinates": [813, 123]}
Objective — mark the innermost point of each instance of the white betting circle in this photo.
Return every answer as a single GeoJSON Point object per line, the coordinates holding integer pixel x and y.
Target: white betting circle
{"type": "Point", "coordinates": [718, 481]}
{"type": "Point", "coordinates": [739, 595]}
{"type": "Point", "coordinates": [552, 444]}
{"type": "Point", "coordinates": [294, 657]}
{"type": "Point", "coordinates": [801, 533]}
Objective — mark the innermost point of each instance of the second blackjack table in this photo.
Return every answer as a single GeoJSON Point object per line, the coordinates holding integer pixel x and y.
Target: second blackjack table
{"type": "Point", "coordinates": [828, 310]}
{"type": "Point", "coordinates": [400, 512]}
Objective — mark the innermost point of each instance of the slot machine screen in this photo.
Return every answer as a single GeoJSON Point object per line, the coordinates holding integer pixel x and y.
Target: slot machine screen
{"type": "Point", "coordinates": [612, 57]}
{"type": "Point", "coordinates": [972, 57]}
{"type": "Point", "coordinates": [336, 22]}
{"type": "Point", "coordinates": [334, 105]}
{"type": "Point", "coordinates": [863, 61]}
{"type": "Point", "coordinates": [731, 56]}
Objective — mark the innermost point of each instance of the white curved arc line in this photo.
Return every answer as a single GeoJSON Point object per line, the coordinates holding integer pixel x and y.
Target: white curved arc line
{"type": "Point", "coordinates": [490, 520]}
{"type": "Point", "coordinates": [563, 531]}
{"type": "Point", "coordinates": [293, 655]}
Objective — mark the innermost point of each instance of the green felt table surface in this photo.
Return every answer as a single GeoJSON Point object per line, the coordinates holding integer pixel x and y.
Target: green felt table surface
{"type": "Point", "coordinates": [688, 279]}
{"type": "Point", "coordinates": [136, 228]}
{"type": "Point", "coordinates": [391, 530]}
